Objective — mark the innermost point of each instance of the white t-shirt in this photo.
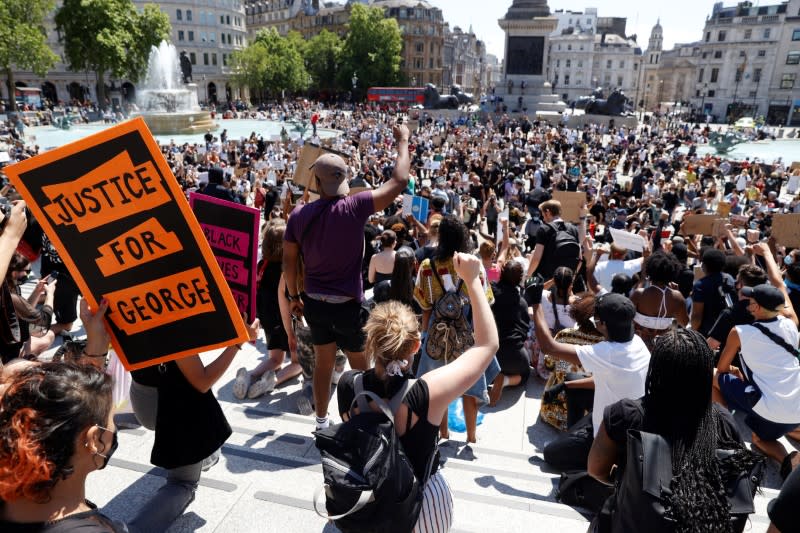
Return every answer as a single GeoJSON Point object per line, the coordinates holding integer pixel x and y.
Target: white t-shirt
{"type": "Point", "coordinates": [774, 370]}
{"type": "Point", "coordinates": [563, 313]}
{"type": "Point", "coordinates": [605, 271]}
{"type": "Point", "coordinates": [619, 370]}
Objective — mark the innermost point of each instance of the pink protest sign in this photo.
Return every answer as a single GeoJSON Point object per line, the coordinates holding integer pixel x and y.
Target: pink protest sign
{"type": "Point", "coordinates": [232, 231]}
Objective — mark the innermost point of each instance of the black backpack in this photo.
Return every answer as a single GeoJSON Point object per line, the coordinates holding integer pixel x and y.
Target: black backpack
{"type": "Point", "coordinates": [564, 249]}
{"type": "Point", "coordinates": [369, 480]}
{"type": "Point", "coordinates": [639, 500]}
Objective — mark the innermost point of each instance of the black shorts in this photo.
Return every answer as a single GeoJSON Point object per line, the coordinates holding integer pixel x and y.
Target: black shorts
{"type": "Point", "coordinates": [514, 360]}
{"type": "Point", "coordinates": [277, 338]}
{"type": "Point", "coordinates": [339, 323]}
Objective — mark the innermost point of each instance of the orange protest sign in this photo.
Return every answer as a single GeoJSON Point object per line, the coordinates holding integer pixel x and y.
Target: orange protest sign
{"type": "Point", "coordinates": [124, 230]}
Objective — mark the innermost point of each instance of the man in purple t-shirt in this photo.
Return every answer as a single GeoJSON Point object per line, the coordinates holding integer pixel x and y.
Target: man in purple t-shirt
{"type": "Point", "coordinates": [330, 234]}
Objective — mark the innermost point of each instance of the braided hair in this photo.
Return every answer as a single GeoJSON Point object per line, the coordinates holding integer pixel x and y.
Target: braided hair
{"type": "Point", "coordinates": [697, 502]}
{"type": "Point", "coordinates": [562, 280]}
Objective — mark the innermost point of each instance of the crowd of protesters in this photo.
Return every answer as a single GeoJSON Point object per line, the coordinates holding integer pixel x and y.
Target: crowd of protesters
{"type": "Point", "coordinates": [606, 332]}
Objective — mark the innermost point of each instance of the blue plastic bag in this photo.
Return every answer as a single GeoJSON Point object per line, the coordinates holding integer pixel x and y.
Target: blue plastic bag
{"type": "Point", "coordinates": [455, 416]}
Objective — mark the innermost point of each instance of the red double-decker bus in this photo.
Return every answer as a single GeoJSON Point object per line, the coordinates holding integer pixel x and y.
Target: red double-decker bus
{"type": "Point", "coordinates": [407, 96]}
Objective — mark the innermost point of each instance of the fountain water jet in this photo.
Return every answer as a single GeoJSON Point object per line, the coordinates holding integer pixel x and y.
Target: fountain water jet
{"type": "Point", "coordinates": [167, 105]}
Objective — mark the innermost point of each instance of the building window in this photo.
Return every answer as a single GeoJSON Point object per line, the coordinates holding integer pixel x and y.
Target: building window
{"type": "Point", "coordinates": [224, 60]}
{"type": "Point", "coordinates": [708, 36]}
{"type": "Point", "coordinates": [193, 58]}
{"type": "Point", "coordinates": [748, 34]}
{"type": "Point", "coordinates": [767, 33]}
{"type": "Point", "coordinates": [796, 35]}
{"type": "Point", "coordinates": [742, 53]}
{"type": "Point", "coordinates": [214, 59]}
{"type": "Point", "coordinates": [203, 36]}
{"type": "Point", "coordinates": [191, 35]}
{"type": "Point", "coordinates": [608, 64]}
{"type": "Point", "coordinates": [787, 80]}
{"type": "Point", "coordinates": [762, 53]}
{"type": "Point", "coordinates": [793, 58]}
{"type": "Point", "coordinates": [705, 55]}
{"type": "Point", "coordinates": [430, 62]}
{"type": "Point", "coordinates": [757, 75]}
{"type": "Point", "coordinates": [636, 66]}
{"type": "Point", "coordinates": [718, 54]}
{"type": "Point", "coordinates": [700, 77]}
{"type": "Point", "coordinates": [180, 35]}
{"type": "Point", "coordinates": [558, 63]}
{"type": "Point", "coordinates": [212, 37]}
{"type": "Point", "coordinates": [714, 75]}
{"type": "Point", "coordinates": [721, 36]}
{"type": "Point", "coordinates": [228, 20]}
{"type": "Point", "coordinates": [569, 63]}
{"type": "Point", "coordinates": [712, 93]}
{"type": "Point", "coordinates": [738, 77]}
{"type": "Point", "coordinates": [205, 58]}
{"type": "Point", "coordinates": [566, 79]}
{"type": "Point", "coordinates": [179, 15]}
{"type": "Point", "coordinates": [621, 64]}
{"type": "Point", "coordinates": [619, 81]}
{"type": "Point", "coordinates": [580, 64]}
{"type": "Point", "coordinates": [189, 15]}
{"type": "Point", "coordinates": [420, 48]}
{"type": "Point", "coordinates": [569, 47]}
{"type": "Point", "coordinates": [607, 79]}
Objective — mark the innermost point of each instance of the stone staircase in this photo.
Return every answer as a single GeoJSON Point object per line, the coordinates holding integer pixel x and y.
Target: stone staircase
{"type": "Point", "coordinates": [270, 468]}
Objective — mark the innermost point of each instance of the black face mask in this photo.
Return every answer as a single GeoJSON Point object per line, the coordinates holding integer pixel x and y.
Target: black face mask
{"type": "Point", "coordinates": [114, 444]}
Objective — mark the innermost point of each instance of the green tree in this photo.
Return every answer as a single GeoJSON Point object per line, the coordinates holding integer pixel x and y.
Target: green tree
{"type": "Point", "coordinates": [322, 60]}
{"type": "Point", "coordinates": [270, 64]}
{"type": "Point", "coordinates": [110, 37]}
{"type": "Point", "coordinates": [23, 43]}
{"type": "Point", "coordinates": [371, 49]}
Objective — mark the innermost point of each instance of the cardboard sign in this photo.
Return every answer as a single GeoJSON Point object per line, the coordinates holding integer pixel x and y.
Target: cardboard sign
{"type": "Point", "coordinates": [571, 204]}
{"type": "Point", "coordinates": [232, 231]}
{"type": "Point", "coordinates": [739, 220]}
{"type": "Point", "coordinates": [786, 230]}
{"type": "Point", "coordinates": [793, 184]}
{"type": "Point", "coordinates": [724, 209]}
{"type": "Point", "coordinates": [417, 206]}
{"type": "Point", "coordinates": [123, 228]}
{"type": "Point", "coordinates": [698, 224]}
{"type": "Point", "coordinates": [630, 241]}
{"type": "Point", "coordinates": [303, 174]}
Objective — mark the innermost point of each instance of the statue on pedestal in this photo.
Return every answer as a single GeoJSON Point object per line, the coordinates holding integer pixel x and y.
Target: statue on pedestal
{"type": "Point", "coordinates": [186, 67]}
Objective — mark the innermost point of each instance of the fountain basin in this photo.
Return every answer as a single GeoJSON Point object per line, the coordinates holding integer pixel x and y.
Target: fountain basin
{"type": "Point", "coordinates": [180, 123]}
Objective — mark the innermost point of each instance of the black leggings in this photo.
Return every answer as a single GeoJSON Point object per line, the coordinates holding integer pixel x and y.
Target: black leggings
{"type": "Point", "coordinates": [579, 401]}
{"type": "Point", "coordinates": [514, 361]}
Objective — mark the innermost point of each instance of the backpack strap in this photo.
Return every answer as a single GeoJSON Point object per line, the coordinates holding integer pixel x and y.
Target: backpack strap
{"type": "Point", "coordinates": [776, 339]}
{"type": "Point", "coordinates": [319, 496]}
{"type": "Point", "coordinates": [656, 461]}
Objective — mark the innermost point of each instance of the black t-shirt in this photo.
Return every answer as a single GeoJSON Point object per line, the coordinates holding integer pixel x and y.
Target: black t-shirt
{"type": "Point", "coordinates": [419, 442]}
{"type": "Point", "coordinates": [511, 316]}
{"type": "Point", "coordinates": [710, 291]}
{"type": "Point", "coordinates": [628, 414]}
{"type": "Point", "coordinates": [728, 318]}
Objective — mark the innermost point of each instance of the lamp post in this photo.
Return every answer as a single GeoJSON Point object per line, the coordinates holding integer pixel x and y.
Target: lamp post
{"type": "Point", "coordinates": [413, 81]}
{"type": "Point", "coordinates": [355, 83]}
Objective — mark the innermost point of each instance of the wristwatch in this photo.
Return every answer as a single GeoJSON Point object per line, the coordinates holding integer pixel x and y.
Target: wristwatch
{"type": "Point", "coordinates": [292, 298]}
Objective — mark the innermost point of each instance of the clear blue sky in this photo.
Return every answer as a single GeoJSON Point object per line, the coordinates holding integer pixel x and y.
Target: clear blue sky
{"type": "Point", "coordinates": [682, 20]}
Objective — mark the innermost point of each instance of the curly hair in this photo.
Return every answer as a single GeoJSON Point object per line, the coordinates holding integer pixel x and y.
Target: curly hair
{"type": "Point", "coordinates": [272, 244]}
{"type": "Point", "coordinates": [42, 411]}
{"type": "Point", "coordinates": [662, 267]}
{"type": "Point", "coordinates": [453, 237]}
{"type": "Point", "coordinates": [682, 359]}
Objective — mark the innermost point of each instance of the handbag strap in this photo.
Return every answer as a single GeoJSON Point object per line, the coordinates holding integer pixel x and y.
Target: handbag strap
{"type": "Point", "coordinates": [777, 339]}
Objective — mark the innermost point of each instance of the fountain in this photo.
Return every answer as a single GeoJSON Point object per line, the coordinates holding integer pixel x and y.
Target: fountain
{"type": "Point", "coordinates": [167, 105]}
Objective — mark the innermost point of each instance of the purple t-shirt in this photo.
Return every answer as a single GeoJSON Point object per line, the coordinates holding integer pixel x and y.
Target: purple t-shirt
{"type": "Point", "coordinates": [333, 248]}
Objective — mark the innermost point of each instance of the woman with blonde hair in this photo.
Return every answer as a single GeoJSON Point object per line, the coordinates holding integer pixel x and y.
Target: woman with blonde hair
{"type": "Point", "coordinates": [393, 338]}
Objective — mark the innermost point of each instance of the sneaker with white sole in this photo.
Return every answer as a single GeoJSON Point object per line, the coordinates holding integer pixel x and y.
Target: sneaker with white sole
{"type": "Point", "coordinates": [241, 383]}
{"type": "Point", "coordinates": [211, 460]}
{"type": "Point", "coordinates": [264, 385]}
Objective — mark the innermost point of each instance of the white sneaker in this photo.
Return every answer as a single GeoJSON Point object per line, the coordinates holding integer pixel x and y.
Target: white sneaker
{"type": "Point", "coordinates": [262, 386]}
{"type": "Point", "coordinates": [240, 385]}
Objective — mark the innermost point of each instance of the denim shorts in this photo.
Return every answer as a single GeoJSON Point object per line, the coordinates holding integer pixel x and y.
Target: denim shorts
{"type": "Point", "coordinates": [743, 396]}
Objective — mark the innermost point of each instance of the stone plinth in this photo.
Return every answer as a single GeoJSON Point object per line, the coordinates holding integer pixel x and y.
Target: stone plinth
{"type": "Point", "coordinates": [184, 123]}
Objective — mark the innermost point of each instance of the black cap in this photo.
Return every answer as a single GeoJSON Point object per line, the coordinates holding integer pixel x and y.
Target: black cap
{"type": "Point", "coordinates": [215, 175]}
{"type": "Point", "coordinates": [766, 296]}
{"type": "Point", "coordinates": [616, 312]}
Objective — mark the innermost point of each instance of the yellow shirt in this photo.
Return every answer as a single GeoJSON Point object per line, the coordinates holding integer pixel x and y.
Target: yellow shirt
{"type": "Point", "coordinates": [427, 289]}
